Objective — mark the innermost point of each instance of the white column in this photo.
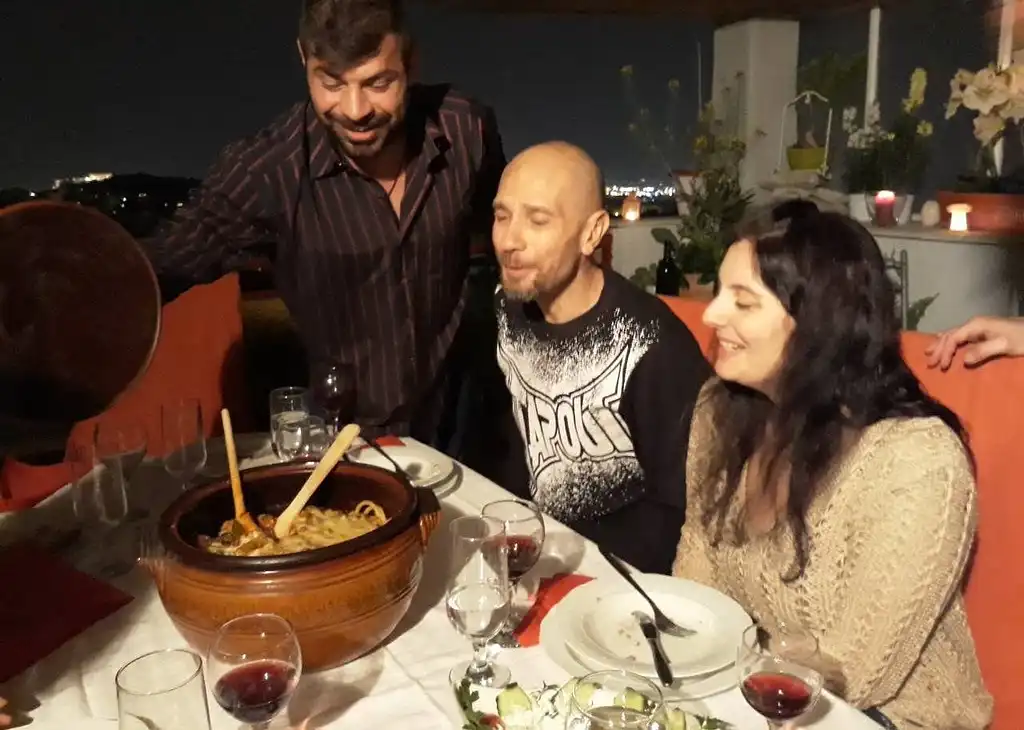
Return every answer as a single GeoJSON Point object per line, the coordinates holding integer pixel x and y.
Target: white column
{"type": "Point", "coordinates": [874, 37]}
{"type": "Point", "coordinates": [1004, 57]}
{"type": "Point", "coordinates": [758, 59]}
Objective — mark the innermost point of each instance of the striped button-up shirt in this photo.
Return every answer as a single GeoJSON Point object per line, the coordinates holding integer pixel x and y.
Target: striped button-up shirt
{"type": "Point", "coordinates": [381, 293]}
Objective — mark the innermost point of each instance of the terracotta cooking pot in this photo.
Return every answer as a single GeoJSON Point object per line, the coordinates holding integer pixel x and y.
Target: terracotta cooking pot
{"type": "Point", "coordinates": [343, 600]}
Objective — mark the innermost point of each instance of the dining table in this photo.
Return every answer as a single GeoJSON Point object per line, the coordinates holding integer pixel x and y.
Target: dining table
{"type": "Point", "coordinates": [404, 683]}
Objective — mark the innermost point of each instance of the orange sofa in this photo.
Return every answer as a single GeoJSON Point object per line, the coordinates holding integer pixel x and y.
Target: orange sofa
{"type": "Point", "coordinates": [988, 400]}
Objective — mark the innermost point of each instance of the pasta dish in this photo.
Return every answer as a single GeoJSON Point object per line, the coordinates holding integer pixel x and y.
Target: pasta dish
{"type": "Point", "coordinates": [314, 527]}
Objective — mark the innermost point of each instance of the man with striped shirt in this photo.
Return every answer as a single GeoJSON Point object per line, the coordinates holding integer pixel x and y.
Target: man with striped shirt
{"type": "Point", "coordinates": [367, 198]}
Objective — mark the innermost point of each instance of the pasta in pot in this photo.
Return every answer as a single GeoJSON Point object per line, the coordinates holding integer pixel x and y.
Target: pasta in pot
{"type": "Point", "coordinates": [314, 528]}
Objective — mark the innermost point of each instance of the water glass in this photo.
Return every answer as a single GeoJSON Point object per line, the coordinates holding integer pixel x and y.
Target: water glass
{"type": "Point", "coordinates": [184, 440]}
{"type": "Point", "coordinates": [616, 700]}
{"type": "Point", "coordinates": [305, 440]}
{"type": "Point", "coordinates": [288, 407]}
{"type": "Point", "coordinates": [126, 444]}
{"type": "Point", "coordinates": [478, 595]}
{"type": "Point", "coordinates": [162, 690]}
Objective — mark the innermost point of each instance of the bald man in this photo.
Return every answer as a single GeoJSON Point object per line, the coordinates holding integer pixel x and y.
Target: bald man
{"type": "Point", "coordinates": [603, 377]}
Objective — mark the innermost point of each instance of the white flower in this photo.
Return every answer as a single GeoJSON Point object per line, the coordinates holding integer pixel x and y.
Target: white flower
{"type": "Point", "coordinates": [987, 128]}
{"type": "Point", "coordinates": [988, 90]}
{"type": "Point", "coordinates": [850, 119]}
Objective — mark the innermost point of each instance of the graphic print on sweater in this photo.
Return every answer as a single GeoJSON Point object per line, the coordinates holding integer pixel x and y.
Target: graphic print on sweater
{"type": "Point", "coordinates": [567, 393]}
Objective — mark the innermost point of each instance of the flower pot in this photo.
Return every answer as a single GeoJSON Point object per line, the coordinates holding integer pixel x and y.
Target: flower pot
{"type": "Point", "coordinates": [805, 158]}
{"type": "Point", "coordinates": [991, 212]}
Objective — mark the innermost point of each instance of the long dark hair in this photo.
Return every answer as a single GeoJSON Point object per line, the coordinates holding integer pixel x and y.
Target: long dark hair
{"type": "Point", "coordinates": [842, 369]}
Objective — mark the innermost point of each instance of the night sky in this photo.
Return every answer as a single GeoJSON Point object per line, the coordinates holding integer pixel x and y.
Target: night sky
{"type": "Point", "coordinates": [160, 86]}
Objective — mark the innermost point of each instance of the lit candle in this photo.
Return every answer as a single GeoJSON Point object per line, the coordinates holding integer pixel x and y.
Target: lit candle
{"type": "Point", "coordinates": [958, 216]}
{"type": "Point", "coordinates": [631, 207]}
{"type": "Point", "coordinates": [885, 204]}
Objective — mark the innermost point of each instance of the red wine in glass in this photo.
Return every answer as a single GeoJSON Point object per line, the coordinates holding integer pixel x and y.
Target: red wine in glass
{"type": "Point", "coordinates": [523, 552]}
{"type": "Point", "coordinates": [254, 693]}
{"type": "Point", "coordinates": [777, 696]}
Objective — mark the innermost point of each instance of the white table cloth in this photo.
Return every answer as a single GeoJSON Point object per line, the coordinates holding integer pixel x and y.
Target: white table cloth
{"type": "Point", "coordinates": [403, 684]}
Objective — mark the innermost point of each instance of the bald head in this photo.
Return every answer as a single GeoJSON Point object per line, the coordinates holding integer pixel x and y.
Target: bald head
{"type": "Point", "coordinates": [548, 218]}
{"type": "Point", "coordinates": [559, 174]}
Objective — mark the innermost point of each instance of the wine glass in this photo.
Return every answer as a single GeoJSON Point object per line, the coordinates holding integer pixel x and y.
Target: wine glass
{"type": "Point", "coordinates": [184, 441]}
{"type": "Point", "coordinates": [334, 390]}
{"type": "Point", "coordinates": [288, 407]}
{"type": "Point", "coordinates": [125, 443]}
{"type": "Point", "coordinates": [776, 677]}
{"type": "Point", "coordinates": [524, 536]}
{"type": "Point", "coordinates": [255, 663]}
{"type": "Point", "coordinates": [478, 595]}
{"type": "Point", "coordinates": [615, 700]}
{"type": "Point", "coordinates": [100, 506]}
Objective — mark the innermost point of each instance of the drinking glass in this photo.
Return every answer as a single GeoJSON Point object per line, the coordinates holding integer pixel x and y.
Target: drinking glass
{"type": "Point", "coordinates": [184, 442]}
{"type": "Point", "coordinates": [334, 389]}
{"type": "Point", "coordinates": [478, 595]}
{"type": "Point", "coordinates": [776, 678]}
{"type": "Point", "coordinates": [616, 700]}
{"type": "Point", "coordinates": [162, 689]}
{"type": "Point", "coordinates": [126, 444]}
{"type": "Point", "coordinates": [309, 437]}
{"type": "Point", "coordinates": [524, 536]}
{"type": "Point", "coordinates": [100, 506]}
{"type": "Point", "coordinates": [255, 662]}
{"type": "Point", "coordinates": [287, 406]}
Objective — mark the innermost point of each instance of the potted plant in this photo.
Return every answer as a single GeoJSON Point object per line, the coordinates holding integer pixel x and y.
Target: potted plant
{"type": "Point", "coordinates": [995, 196]}
{"type": "Point", "coordinates": [837, 80]}
{"type": "Point", "coordinates": [893, 158]}
{"type": "Point", "coordinates": [715, 205]}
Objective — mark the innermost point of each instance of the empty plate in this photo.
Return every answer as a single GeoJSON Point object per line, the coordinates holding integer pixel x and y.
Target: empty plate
{"type": "Point", "coordinates": [423, 466]}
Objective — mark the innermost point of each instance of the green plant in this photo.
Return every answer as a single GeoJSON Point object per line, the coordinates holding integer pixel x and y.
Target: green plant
{"type": "Point", "coordinates": [716, 203]}
{"type": "Point", "coordinates": [889, 159]}
{"type": "Point", "coordinates": [645, 276]}
{"type": "Point", "coordinates": [836, 78]}
{"type": "Point", "coordinates": [916, 311]}
{"type": "Point", "coordinates": [659, 140]}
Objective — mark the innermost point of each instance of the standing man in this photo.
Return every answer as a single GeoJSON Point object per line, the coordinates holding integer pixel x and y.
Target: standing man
{"type": "Point", "coordinates": [367, 198]}
{"type": "Point", "coordinates": [603, 377]}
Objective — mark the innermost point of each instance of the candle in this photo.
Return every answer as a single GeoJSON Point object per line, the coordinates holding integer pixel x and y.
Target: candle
{"type": "Point", "coordinates": [631, 207]}
{"type": "Point", "coordinates": [958, 216]}
{"type": "Point", "coordinates": [885, 204]}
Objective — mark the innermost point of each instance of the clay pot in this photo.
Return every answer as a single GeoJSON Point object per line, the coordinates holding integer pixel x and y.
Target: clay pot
{"type": "Point", "coordinates": [342, 600]}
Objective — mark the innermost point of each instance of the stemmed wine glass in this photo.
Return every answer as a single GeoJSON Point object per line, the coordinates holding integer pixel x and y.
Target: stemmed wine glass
{"type": "Point", "coordinates": [125, 443]}
{"type": "Point", "coordinates": [100, 505]}
{"type": "Point", "coordinates": [524, 536]}
{"type": "Point", "coordinates": [776, 677]}
{"type": "Point", "coordinates": [255, 663]}
{"type": "Point", "coordinates": [596, 703]}
{"type": "Point", "coordinates": [183, 439]}
{"type": "Point", "coordinates": [334, 390]}
{"type": "Point", "coordinates": [478, 595]}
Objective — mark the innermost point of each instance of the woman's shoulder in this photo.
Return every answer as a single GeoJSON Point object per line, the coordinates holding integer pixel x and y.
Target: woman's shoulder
{"type": "Point", "coordinates": [921, 455]}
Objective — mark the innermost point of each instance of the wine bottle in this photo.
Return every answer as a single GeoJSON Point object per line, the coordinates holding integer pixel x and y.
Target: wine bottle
{"type": "Point", "coordinates": [668, 277]}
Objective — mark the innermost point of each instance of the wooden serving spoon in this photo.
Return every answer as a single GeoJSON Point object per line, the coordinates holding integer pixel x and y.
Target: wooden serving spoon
{"type": "Point", "coordinates": [242, 516]}
{"type": "Point", "coordinates": [327, 462]}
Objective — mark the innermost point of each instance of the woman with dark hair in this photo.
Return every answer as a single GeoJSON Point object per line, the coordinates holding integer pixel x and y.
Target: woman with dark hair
{"type": "Point", "coordinates": [828, 492]}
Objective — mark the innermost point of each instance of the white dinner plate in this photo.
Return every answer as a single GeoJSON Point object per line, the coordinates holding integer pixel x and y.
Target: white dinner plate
{"type": "Point", "coordinates": [425, 467]}
{"type": "Point", "coordinates": [604, 631]}
{"type": "Point", "coordinates": [684, 691]}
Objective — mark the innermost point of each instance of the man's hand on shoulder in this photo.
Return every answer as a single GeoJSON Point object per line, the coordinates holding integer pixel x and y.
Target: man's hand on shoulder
{"type": "Point", "coordinates": [5, 719]}
{"type": "Point", "coordinates": [981, 339]}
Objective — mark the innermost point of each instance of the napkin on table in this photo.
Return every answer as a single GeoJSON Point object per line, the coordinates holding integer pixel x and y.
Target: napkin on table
{"type": "Point", "coordinates": [44, 604]}
{"type": "Point", "coordinates": [549, 592]}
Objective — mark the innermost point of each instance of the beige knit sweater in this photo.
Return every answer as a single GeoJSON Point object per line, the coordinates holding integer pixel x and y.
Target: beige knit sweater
{"type": "Point", "coordinates": [890, 537]}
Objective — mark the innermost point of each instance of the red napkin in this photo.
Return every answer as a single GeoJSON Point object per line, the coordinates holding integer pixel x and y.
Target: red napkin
{"type": "Point", "coordinates": [45, 604]}
{"type": "Point", "coordinates": [389, 441]}
{"type": "Point", "coordinates": [24, 485]}
{"type": "Point", "coordinates": [549, 592]}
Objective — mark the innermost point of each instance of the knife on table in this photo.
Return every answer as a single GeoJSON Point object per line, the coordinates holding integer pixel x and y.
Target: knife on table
{"type": "Point", "coordinates": [650, 632]}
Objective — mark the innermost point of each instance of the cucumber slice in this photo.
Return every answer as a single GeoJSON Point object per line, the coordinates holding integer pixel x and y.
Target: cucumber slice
{"type": "Point", "coordinates": [585, 691]}
{"type": "Point", "coordinates": [513, 702]}
{"type": "Point", "coordinates": [632, 700]}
